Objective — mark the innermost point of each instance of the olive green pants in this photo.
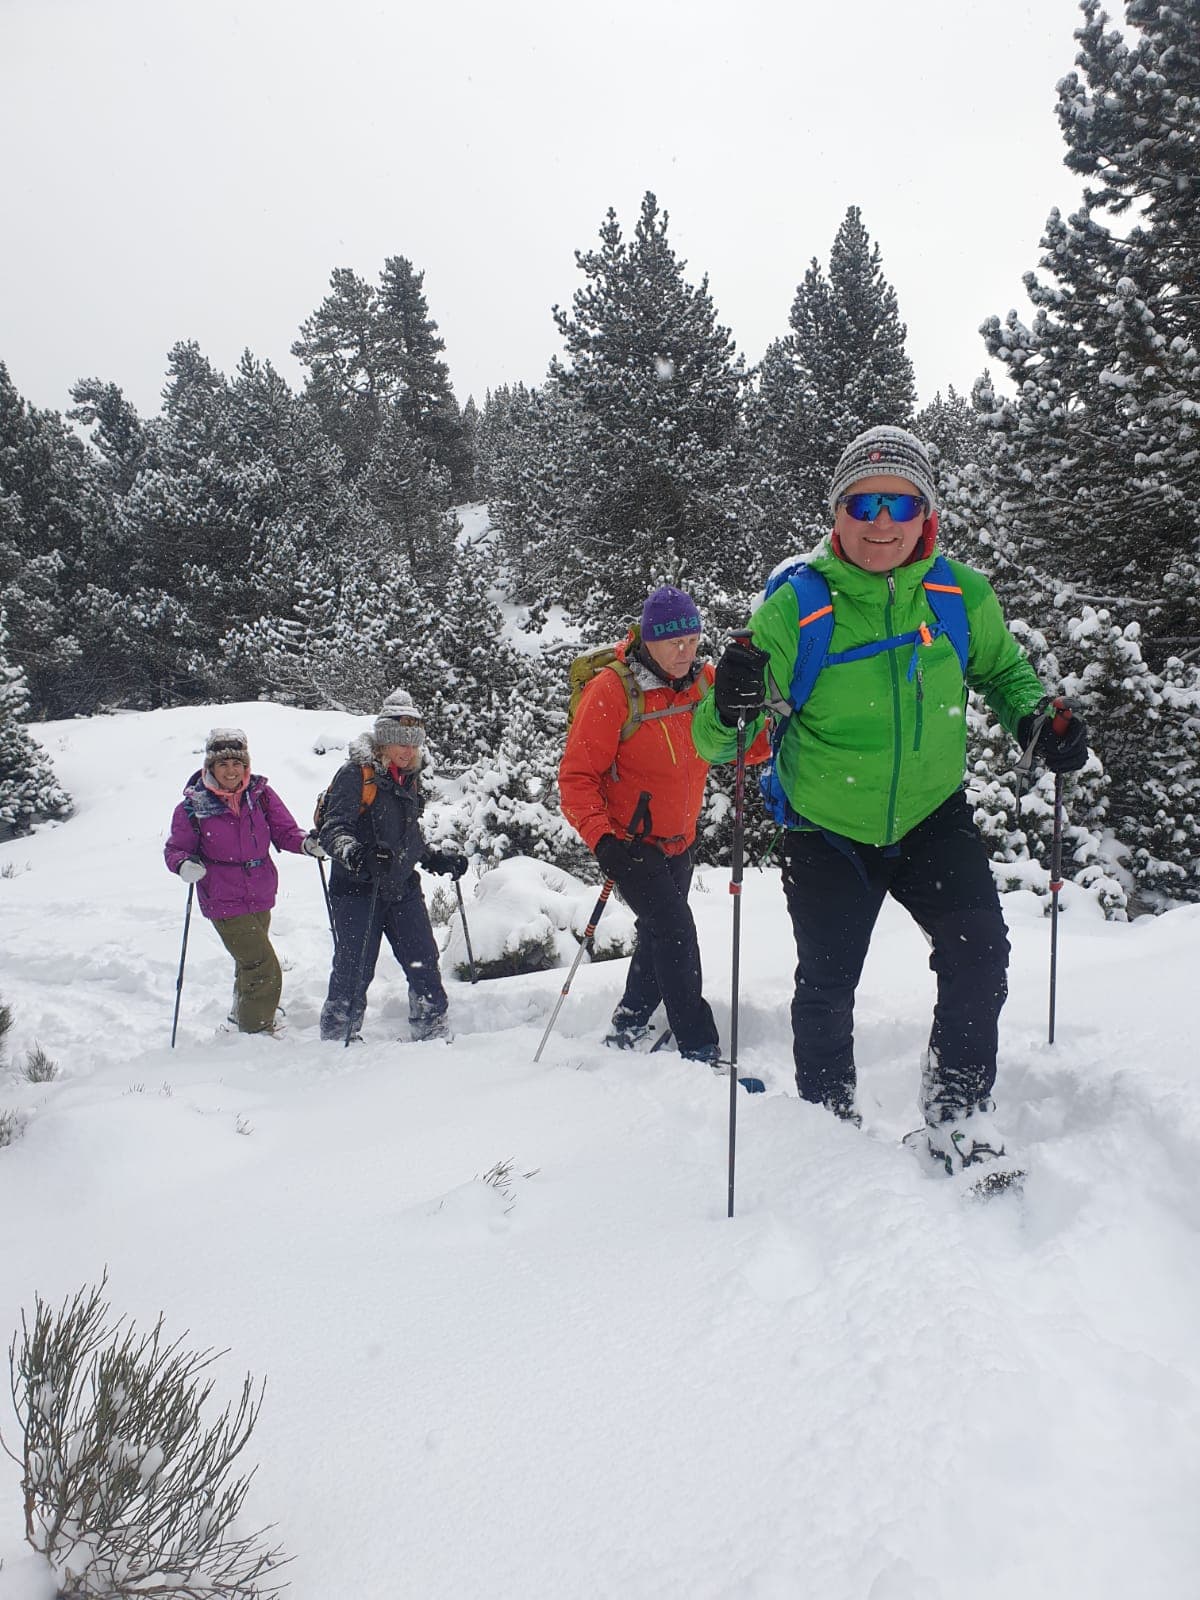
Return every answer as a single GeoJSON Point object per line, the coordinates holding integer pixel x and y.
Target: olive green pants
{"type": "Point", "coordinates": [257, 979]}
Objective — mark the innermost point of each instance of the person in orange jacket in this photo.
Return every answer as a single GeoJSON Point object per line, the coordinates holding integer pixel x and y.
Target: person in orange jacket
{"type": "Point", "coordinates": [632, 735]}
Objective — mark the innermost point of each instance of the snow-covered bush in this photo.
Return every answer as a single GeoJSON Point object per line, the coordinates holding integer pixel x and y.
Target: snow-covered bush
{"type": "Point", "coordinates": [527, 916]}
{"type": "Point", "coordinates": [127, 1492]}
{"type": "Point", "coordinates": [11, 1128]}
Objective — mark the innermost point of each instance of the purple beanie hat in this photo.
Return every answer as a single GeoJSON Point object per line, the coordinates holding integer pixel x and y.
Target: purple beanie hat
{"type": "Point", "coordinates": [669, 613]}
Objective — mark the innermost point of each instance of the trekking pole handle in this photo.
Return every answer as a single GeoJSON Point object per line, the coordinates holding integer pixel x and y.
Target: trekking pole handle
{"type": "Point", "coordinates": [1062, 715]}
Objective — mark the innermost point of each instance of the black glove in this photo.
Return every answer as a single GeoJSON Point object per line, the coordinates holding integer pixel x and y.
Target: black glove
{"type": "Point", "coordinates": [612, 856]}
{"type": "Point", "coordinates": [377, 859]}
{"type": "Point", "coordinates": [738, 688]}
{"type": "Point", "coordinates": [1061, 752]}
{"type": "Point", "coordinates": [450, 863]}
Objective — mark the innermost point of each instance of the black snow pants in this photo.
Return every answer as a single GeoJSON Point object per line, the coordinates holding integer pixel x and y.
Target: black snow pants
{"type": "Point", "coordinates": [666, 961]}
{"type": "Point", "coordinates": [404, 922]}
{"type": "Point", "coordinates": [939, 873]}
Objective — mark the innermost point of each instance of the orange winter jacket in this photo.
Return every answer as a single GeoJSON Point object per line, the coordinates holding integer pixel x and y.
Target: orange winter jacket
{"type": "Point", "coordinates": [600, 776]}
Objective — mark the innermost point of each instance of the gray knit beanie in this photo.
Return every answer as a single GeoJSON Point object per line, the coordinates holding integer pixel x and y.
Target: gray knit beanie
{"type": "Point", "coordinates": [399, 721]}
{"type": "Point", "coordinates": [884, 450]}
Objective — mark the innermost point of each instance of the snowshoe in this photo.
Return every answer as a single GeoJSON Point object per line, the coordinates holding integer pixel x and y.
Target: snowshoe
{"type": "Point", "coordinates": [969, 1147]}
{"type": "Point", "coordinates": [627, 1033]}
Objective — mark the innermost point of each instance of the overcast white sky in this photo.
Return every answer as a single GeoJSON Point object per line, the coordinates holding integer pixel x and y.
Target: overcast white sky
{"type": "Point", "coordinates": [196, 170]}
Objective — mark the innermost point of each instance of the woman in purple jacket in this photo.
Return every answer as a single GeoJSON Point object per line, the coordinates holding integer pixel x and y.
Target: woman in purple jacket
{"type": "Point", "coordinates": [220, 840]}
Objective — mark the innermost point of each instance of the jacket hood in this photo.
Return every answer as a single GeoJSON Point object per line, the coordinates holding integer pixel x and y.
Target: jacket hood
{"type": "Point", "coordinates": [363, 750]}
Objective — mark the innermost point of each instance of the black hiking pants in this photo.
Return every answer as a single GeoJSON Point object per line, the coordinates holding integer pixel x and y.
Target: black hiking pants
{"type": "Point", "coordinates": [404, 922]}
{"type": "Point", "coordinates": [939, 873]}
{"type": "Point", "coordinates": [666, 960]}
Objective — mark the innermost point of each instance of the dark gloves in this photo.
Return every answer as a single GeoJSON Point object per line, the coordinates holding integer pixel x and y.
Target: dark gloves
{"type": "Point", "coordinates": [739, 685]}
{"type": "Point", "coordinates": [611, 855]}
{"type": "Point", "coordinates": [379, 860]}
{"type": "Point", "coordinates": [375, 859]}
{"type": "Point", "coordinates": [1062, 752]}
{"type": "Point", "coordinates": [450, 863]}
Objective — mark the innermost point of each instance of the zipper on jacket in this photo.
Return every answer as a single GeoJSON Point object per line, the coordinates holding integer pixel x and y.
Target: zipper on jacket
{"type": "Point", "coordinates": [920, 706]}
{"type": "Point", "coordinates": [896, 727]}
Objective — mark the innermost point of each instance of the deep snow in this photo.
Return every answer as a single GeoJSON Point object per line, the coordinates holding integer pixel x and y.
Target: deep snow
{"type": "Point", "coordinates": [863, 1387]}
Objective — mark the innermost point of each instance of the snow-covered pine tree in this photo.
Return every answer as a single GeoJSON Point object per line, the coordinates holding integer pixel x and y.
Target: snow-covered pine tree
{"type": "Point", "coordinates": [338, 346]}
{"type": "Point", "coordinates": [55, 531]}
{"type": "Point", "coordinates": [29, 792]}
{"type": "Point", "coordinates": [119, 434]}
{"type": "Point", "coordinates": [515, 809]}
{"type": "Point", "coordinates": [1092, 494]}
{"type": "Point", "coordinates": [416, 379]}
{"type": "Point", "coordinates": [842, 368]}
{"type": "Point", "coordinates": [640, 422]}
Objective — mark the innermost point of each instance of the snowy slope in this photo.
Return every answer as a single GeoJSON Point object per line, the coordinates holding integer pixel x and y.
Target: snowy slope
{"type": "Point", "coordinates": [595, 1385]}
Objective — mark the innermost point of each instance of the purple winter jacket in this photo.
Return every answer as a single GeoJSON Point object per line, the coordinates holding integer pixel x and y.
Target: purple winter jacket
{"type": "Point", "coordinates": [235, 847]}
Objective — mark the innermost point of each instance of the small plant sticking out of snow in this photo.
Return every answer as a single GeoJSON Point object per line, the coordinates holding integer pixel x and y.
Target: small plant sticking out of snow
{"type": "Point", "coordinates": [6, 1022]}
{"type": "Point", "coordinates": [12, 1126]}
{"type": "Point", "coordinates": [502, 1177]}
{"type": "Point", "coordinates": [442, 906]}
{"type": "Point", "coordinates": [127, 1491]}
{"type": "Point", "coordinates": [39, 1068]}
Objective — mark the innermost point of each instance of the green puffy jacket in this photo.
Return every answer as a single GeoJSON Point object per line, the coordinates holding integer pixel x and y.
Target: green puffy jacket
{"type": "Point", "coordinates": [873, 752]}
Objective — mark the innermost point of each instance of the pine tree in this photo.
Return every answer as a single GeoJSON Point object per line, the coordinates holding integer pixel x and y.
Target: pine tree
{"type": "Point", "coordinates": [55, 532]}
{"type": "Point", "coordinates": [29, 792]}
{"type": "Point", "coordinates": [417, 379]}
{"type": "Point", "coordinates": [840, 370]}
{"type": "Point", "coordinates": [638, 429]}
{"type": "Point", "coordinates": [1091, 496]}
{"type": "Point", "coordinates": [338, 344]}
{"type": "Point", "coordinates": [120, 435]}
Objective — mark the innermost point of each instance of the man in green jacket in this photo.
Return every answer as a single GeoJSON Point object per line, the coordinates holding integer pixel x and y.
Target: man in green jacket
{"type": "Point", "coordinates": [869, 770]}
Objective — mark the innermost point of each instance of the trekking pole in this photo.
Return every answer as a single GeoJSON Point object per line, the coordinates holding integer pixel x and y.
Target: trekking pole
{"type": "Point", "coordinates": [1062, 718]}
{"type": "Point", "coordinates": [735, 889]}
{"type": "Point", "coordinates": [639, 823]}
{"type": "Point", "coordinates": [328, 903]}
{"type": "Point", "coordinates": [462, 911]}
{"type": "Point", "coordinates": [362, 960]}
{"type": "Point", "coordinates": [187, 922]}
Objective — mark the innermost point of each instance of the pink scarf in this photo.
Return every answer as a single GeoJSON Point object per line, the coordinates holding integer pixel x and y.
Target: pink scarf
{"type": "Point", "coordinates": [232, 800]}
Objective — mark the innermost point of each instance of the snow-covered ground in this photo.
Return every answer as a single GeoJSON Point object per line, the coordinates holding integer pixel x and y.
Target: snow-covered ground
{"type": "Point", "coordinates": [864, 1387]}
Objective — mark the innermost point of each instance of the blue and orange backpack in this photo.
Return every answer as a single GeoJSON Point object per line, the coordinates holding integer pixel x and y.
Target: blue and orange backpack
{"type": "Point", "coordinates": [813, 655]}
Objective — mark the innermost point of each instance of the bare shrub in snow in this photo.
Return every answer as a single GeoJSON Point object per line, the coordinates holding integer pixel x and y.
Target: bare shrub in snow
{"type": "Point", "coordinates": [39, 1068]}
{"type": "Point", "coordinates": [502, 1176]}
{"type": "Point", "coordinates": [6, 1022]}
{"type": "Point", "coordinates": [12, 1126]}
{"type": "Point", "coordinates": [128, 1493]}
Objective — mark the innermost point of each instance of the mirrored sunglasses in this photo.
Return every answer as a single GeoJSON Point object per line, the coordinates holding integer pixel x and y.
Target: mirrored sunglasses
{"type": "Point", "coordinates": [866, 507]}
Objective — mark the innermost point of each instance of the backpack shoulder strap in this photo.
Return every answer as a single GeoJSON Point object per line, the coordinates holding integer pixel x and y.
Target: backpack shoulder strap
{"type": "Point", "coordinates": [815, 627]}
{"type": "Point", "coordinates": [369, 787]}
{"type": "Point", "coordinates": [635, 699]}
{"type": "Point", "coordinates": [945, 597]}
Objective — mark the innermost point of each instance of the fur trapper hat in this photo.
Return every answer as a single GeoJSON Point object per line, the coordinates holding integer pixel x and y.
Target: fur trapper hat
{"type": "Point", "coordinates": [226, 744]}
